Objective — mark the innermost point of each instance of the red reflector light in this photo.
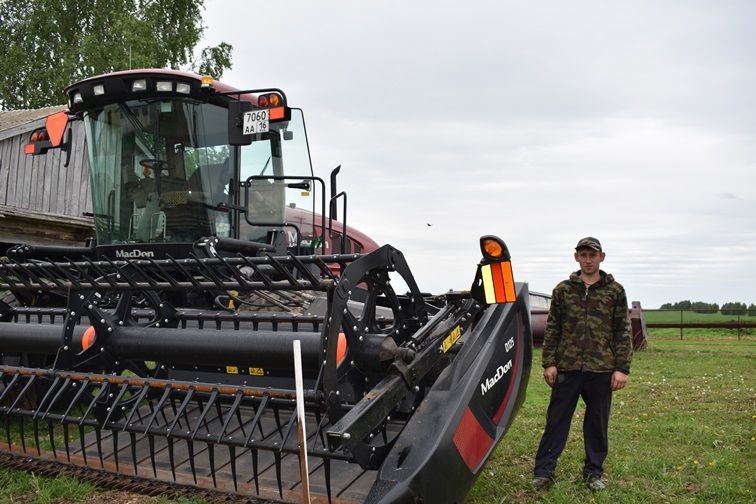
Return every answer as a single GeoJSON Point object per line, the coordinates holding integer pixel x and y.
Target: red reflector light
{"type": "Point", "coordinates": [88, 338]}
{"type": "Point", "coordinates": [29, 149]}
{"type": "Point", "coordinates": [274, 100]}
{"type": "Point", "coordinates": [276, 113]}
{"type": "Point", "coordinates": [262, 101]}
{"type": "Point", "coordinates": [341, 349]}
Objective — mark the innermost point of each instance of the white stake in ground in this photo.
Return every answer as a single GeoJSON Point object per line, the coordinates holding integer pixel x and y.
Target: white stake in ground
{"type": "Point", "coordinates": [303, 467]}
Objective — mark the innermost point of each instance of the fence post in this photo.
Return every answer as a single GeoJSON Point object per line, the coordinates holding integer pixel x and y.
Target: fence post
{"type": "Point", "coordinates": [738, 325]}
{"type": "Point", "coordinates": [681, 323]}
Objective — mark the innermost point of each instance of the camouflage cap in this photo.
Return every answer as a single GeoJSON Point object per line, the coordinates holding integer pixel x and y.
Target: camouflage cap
{"type": "Point", "coordinates": [589, 242]}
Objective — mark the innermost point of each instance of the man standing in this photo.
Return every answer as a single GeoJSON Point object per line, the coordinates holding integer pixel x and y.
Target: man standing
{"type": "Point", "coordinates": [587, 350]}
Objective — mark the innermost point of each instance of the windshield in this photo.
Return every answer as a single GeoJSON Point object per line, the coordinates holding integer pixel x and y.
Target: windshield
{"type": "Point", "coordinates": [160, 168]}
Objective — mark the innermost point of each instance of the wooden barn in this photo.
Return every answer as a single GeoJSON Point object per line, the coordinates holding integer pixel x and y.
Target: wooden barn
{"type": "Point", "coordinates": [42, 201]}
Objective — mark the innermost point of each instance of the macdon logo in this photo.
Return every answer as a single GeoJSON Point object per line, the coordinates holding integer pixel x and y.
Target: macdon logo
{"type": "Point", "coordinates": [134, 254]}
{"type": "Point", "coordinates": [490, 382]}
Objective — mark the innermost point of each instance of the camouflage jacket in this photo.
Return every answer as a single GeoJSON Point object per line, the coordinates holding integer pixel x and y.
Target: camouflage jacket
{"type": "Point", "coordinates": [588, 328]}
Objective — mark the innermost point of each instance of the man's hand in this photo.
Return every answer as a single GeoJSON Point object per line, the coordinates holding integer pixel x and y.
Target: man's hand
{"type": "Point", "coordinates": [550, 375]}
{"type": "Point", "coordinates": [619, 379]}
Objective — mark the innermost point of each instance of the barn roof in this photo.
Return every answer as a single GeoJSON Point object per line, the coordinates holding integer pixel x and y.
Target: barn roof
{"type": "Point", "coordinates": [14, 122]}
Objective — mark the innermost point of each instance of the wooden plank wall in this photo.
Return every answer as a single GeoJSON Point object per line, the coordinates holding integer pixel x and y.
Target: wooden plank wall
{"type": "Point", "coordinates": [43, 183]}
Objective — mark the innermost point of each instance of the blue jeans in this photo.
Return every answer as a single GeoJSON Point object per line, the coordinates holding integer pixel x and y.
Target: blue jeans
{"type": "Point", "coordinates": [596, 391]}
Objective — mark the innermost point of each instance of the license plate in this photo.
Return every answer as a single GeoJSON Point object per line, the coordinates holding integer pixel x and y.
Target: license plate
{"type": "Point", "coordinates": [257, 121]}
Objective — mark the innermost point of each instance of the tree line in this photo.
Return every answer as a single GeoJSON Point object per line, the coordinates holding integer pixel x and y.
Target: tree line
{"type": "Point", "coordinates": [731, 308]}
{"type": "Point", "coordinates": [49, 44]}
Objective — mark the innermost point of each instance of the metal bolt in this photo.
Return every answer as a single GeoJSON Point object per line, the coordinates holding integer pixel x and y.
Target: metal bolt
{"type": "Point", "coordinates": [338, 393]}
{"type": "Point", "coordinates": [89, 306]}
{"type": "Point", "coordinates": [102, 349]}
{"type": "Point", "coordinates": [120, 322]}
{"type": "Point", "coordinates": [81, 296]}
{"type": "Point", "coordinates": [65, 347]}
{"type": "Point", "coordinates": [417, 389]}
{"type": "Point", "coordinates": [360, 338]}
{"type": "Point", "coordinates": [110, 329]}
{"type": "Point", "coordinates": [346, 435]}
{"type": "Point", "coordinates": [354, 328]}
{"type": "Point", "coordinates": [117, 363]}
{"type": "Point", "coordinates": [73, 313]}
{"type": "Point", "coordinates": [157, 325]}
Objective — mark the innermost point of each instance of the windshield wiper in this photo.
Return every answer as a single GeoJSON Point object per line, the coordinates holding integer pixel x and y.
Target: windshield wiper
{"type": "Point", "coordinates": [138, 128]}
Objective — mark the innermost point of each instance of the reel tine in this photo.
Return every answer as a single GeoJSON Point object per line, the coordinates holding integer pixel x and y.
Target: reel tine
{"type": "Point", "coordinates": [181, 410]}
{"type": "Point", "coordinates": [190, 446]}
{"type": "Point", "coordinates": [55, 399]}
{"type": "Point", "coordinates": [232, 459]}
{"type": "Point", "coordinates": [289, 427]}
{"type": "Point", "coordinates": [98, 437]}
{"type": "Point", "coordinates": [327, 474]}
{"type": "Point", "coordinates": [47, 395]}
{"type": "Point", "coordinates": [132, 435]}
{"type": "Point", "coordinates": [115, 448]}
{"type": "Point", "coordinates": [159, 407]}
{"type": "Point", "coordinates": [151, 439]}
{"type": "Point", "coordinates": [170, 458]}
{"type": "Point", "coordinates": [253, 451]}
{"type": "Point", "coordinates": [52, 437]}
{"type": "Point", "coordinates": [211, 459]}
{"type": "Point", "coordinates": [21, 433]}
{"type": "Point", "coordinates": [203, 416]}
{"type": "Point", "coordinates": [103, 390]}
{"type": "Point", "coordinates": [318, 421]}
{"type": "Point", "coordinates": [234, 409]}
{"type": "Point", "coordinates": [256, 419]}
{"type": "Point", "coordinates": [65, 442]}
{"type": "Point", "coordinates": [83, 447]}
{"type": "Point", "coordinates": [277, 458]}
{"type": "Point", "coordinates": [23, 392]}
{"type": "Point", "coordinates": [9, 386]}
{"type": "Point", "coordinates": [277, 416]}
{"type": "Point", "coordinates": [7, 431]}
{"type": "Point", "coordinates": [119, 396]}
{"type": "Point", "coordinates": [75, 400]}
{"type": "Point", "coordinates": [140, 397]}
{"type": "Point", "coordinates": [173, 407]}
{"type": "Point", "coordinates": [35, 424]}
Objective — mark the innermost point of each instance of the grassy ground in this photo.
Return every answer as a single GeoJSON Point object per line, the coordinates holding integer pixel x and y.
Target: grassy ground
{"type": "Point", "coordinates": [676, 316]}
{"type": "Point", "coordinates": [683, 431]}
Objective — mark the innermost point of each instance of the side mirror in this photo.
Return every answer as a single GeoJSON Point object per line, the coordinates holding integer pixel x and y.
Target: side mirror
{"type": "Point", "coordinates": [49, 137]}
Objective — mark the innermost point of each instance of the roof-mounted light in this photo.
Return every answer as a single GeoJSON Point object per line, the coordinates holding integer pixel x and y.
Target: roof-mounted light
{"type": "Point", "coordinates": [98, 89]}
{"type": "Point", "coordinates": [164, 86]}
{"type": "Point", "coordinates": [269, 100]}
{"type": "Point", "coordinates": [207, 81]}
{"type": "Point", "coordinates": [183, 88]}
{"type": "Point", "coordinates": [139, 85]}
{"type": "Point", "coordinates": [77, 98]}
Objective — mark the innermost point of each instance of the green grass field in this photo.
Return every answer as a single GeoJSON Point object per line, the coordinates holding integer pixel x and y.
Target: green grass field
{"type": "Point", "coordinates": [684, 430]}
{"type": "Point", "coordinates": [676, 317]}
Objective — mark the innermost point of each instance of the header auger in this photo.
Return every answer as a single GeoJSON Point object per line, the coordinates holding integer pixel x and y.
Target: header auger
{"type": "Point", "coordinates": [164, 350]}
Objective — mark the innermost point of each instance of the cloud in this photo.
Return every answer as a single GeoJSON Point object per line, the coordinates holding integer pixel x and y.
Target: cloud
{"type": "Point", "coordinates": [539, 122]}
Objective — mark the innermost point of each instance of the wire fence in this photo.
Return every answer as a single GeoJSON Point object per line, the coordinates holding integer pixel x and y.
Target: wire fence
{"type": "Point", "coordinates": [702, 323]}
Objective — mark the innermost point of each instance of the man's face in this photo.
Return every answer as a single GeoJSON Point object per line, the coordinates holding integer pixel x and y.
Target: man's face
{"type": "Point", "coordinates": [589, 260]}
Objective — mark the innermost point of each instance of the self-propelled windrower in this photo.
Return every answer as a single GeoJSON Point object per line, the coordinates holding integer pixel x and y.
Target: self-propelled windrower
{"type": "Point", "coordinates": [163, 351]}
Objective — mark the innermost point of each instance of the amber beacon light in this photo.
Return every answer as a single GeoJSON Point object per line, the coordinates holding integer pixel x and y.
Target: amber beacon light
{"type": "Point", "coordinates": [494, 282]}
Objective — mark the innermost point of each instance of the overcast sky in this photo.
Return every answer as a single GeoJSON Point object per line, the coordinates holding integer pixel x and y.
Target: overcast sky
{"type": "Point", "coordinates": [540, 122]}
